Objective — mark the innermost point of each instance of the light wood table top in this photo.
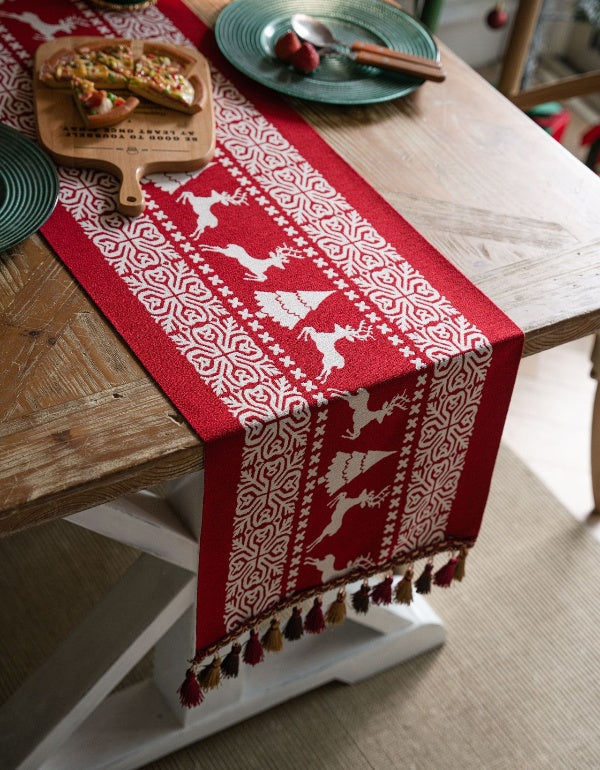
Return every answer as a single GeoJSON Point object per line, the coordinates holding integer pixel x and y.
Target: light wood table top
{"type": "Point", "coordinates": [81, 422]}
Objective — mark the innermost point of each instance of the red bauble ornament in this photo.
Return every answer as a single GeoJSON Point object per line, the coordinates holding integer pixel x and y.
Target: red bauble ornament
{"type": "Point", "coordinates": [497, 17]}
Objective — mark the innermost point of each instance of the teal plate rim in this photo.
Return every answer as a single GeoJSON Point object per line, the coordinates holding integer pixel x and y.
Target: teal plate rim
{"type": "Point", "coordinates": [246, 32]}
{"type": "Point", "coordinates": [28, 187]}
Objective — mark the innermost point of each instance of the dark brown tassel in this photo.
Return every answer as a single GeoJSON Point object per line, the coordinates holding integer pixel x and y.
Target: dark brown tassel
{"type": "Point", "coordinates": [190, 694]}
{"type": "Point", "coordinates": [272, 640]}
{"type": "Point", "coordinates": [423, 582]}
{"type": "Point", "coordinates": [314, 623]}
{"type": "Point", "coordinates": [360, 599]}
{"type": "Point", "coordinates": [253, 651]}
{"type": "Point", "coordinates": [382, 592]}
{"type": "Point", "coordinates": [460, 571]}
{"type": "Point", "coordinates": [444, 576]}
{"type": "Point", "coordinates": [210, 676]}
{"type": "Point", "coordinates": [294, 628]}
{"type": "Point", "coordinates": [230, 667]}
{"type": "Point", "coordinates": [404, 592]}
{"type": "Point", "coordinates": [336, 612]}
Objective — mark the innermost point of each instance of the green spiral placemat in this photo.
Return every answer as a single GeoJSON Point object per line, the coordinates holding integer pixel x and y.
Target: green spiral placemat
{"type": "Point", "coordinates": [28, 187]}
{"type": "Point", "coordinates": [247, 30]}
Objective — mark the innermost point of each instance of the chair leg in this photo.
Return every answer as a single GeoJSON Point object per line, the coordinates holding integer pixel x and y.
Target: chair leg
{"type": "Point", "coordinates": [523, 27]}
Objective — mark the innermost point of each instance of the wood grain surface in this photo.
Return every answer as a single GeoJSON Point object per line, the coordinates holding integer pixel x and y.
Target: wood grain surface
{"type": "Point", "coordinates": [82, 422]}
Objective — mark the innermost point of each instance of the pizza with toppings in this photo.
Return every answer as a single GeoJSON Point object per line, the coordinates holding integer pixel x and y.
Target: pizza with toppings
{"type": "Point", "coordinates": [100, 108]}
{"type": "Point", "coordinates": [153, 71]}
{"type": "Point", "coordinates": [60, 69]}
{"type": "Point", "coordinates": [160, 79]}
{"type": "Point", "coordinates": [117, 55]}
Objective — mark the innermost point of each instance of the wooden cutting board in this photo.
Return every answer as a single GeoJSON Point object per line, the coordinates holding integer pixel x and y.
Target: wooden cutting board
{"type": "Point", "coordinates": [151, 139]}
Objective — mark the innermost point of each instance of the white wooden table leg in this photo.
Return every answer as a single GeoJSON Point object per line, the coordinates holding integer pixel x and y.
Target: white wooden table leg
{"type": "Point", "coordinates": [135, 726]}
{"type": "Point", "coordinates": [146, 522]}
{"type": "Point", "coordinates": [117, 633]}
{"type": "Point", "coordinates": [595, 445]}
{"type": "Point", "coordinates": [154, 604]}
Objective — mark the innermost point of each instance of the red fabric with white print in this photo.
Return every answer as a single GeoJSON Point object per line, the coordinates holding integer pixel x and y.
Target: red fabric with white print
{"type": "Point", "coordinates": [351, 384]}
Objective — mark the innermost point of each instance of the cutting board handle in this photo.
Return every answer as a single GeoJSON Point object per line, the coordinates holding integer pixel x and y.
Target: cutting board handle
{"type": "Point", "coordinates": [131, 197]}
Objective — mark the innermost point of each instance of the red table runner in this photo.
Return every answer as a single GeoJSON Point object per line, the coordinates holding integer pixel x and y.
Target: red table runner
{"type": "Point", "coordinates": [350, 384]}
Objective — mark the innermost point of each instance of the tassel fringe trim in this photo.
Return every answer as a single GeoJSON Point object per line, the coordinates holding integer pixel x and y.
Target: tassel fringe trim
{"type": "Point", "coordinates": [204, 675]}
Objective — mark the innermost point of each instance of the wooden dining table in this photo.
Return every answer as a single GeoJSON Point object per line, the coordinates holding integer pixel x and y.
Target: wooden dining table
{"type": "Point", "coordinates": [82, 423]}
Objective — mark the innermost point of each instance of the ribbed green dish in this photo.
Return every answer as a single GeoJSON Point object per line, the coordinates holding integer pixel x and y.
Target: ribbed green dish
{"type": "Point", "coordinates": [28, 187]}
{"type": "Point", "coordinates": [246, 32]}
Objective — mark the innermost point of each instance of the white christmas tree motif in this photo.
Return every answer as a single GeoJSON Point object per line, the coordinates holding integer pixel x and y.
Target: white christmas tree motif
{"type": "Point", "coordinates": [44, 30]}
{"type": "Point", "coordinates": [289, 307]}
{"type": "Point", "coordinates": [256, 268]}
{"type": "Point", "coordinates": [362, 415]}
{"type": "Point", "coordinates": [326, 565]}
{"type": "Point", "coordinates": [325, 342]}
{"type": "Point", "coordinates": [341, 504]}
{"type": "Point", "coordinates": [346, 466]}
{"type": "Point", "coordinates": [202, 206]}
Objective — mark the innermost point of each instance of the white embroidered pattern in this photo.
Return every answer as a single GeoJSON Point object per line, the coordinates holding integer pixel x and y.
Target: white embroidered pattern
{"type": "Point", "coordinates": [272, 466]}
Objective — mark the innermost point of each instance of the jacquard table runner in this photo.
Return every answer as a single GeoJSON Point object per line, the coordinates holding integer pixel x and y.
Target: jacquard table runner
{"type": "Point", "coordinates": [350, 384]}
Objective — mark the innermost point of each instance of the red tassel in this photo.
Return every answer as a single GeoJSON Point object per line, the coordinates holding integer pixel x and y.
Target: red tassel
{"type": "Point", "coordinates": [230, 666]}
{"type": "Point", "coordinates": [190, 694]}
{"type": "Point", "coordinates": [360, 599]}
{"type": "Point", "coordinates": [314, 622]}
{"type": "Point", "coordinates": [382, 592]}
{"type": "Point", "coordinates": [423, 582]}
{"type": "Point", "coordinates": [253, 651]}
{"type": "Point", "coordinates": [444, 576]}
{"type": "Point", "coordinates": [294, 628]}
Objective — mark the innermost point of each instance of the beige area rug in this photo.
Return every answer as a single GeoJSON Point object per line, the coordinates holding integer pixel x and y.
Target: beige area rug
{"type": "Point", "coordinates": [517, 684]}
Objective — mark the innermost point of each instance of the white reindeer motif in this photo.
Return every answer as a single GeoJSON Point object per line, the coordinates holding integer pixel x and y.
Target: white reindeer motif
{"type": "Point", "coordinates": [256, 267]}
{"type": "Point", "coordinates": [202, 206]}
{"type": "Point", "coordinates": [44, 30]}
{"type": "Point", "coordinates": [326, 565]}
{"type": "Point", "coordinates": [325, 342]}
{"type": "Point", "coordinates": [362, 415]}
{"type": "Point", "coordinates": [341, 504]}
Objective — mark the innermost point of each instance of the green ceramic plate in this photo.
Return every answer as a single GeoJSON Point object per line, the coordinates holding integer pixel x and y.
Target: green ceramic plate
{"type": "Point", "coordinates": [247, 30]}
{"type": "Point", "coordinates": [28, 187]}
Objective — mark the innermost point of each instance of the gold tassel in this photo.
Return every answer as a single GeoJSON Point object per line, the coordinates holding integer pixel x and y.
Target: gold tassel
{"type": "Point", "coordinates": [209, 677]}
{"type": "Point", "coordinates": [272, 640]}
{"type": "Point", "coordinates": [460, 572]}
{"type": "Point", "coordinates": [336, 613]}
{"type": "Point", "coordinates": [404, 592]}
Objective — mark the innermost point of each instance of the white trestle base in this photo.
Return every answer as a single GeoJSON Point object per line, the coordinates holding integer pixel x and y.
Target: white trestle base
{"type": "Point", "coordinates": [81, 723]}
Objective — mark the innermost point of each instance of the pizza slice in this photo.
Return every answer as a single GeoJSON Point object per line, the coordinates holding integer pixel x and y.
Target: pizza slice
{"type": "Point", "coordinates": [173, 58]}
{"type": "Point", "coordinates": [160, 79]}
{"type": "Point", "coordinates": [117, 55]}
{"type": "Point", "coordinates": [100, 108]}
{"type": "Point", "coordinates": [59, 70]}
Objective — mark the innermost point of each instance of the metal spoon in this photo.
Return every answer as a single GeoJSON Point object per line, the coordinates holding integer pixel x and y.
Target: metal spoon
{"type": "Point", "coordinates": [316, 32]}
